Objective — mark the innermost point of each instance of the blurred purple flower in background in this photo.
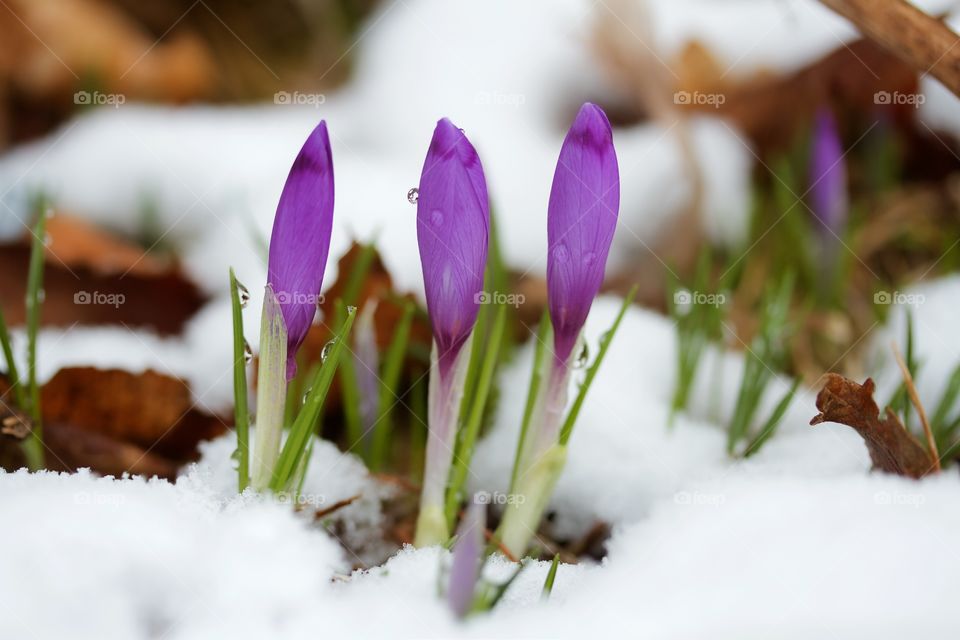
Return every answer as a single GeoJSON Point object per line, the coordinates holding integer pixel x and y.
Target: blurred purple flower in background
{"type": "Point", "coordinates": [828, 175]}
{"type": "Point", "coordinates": [467, 559]}
{"type": "Point", "coordinates": [300, 240]}
{"type": "Point", "coordinates": [581, 219]}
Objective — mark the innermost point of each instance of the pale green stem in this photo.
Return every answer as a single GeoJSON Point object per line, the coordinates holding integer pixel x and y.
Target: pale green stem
{"type": "Point", "coordinates": [443, 402]}
{"type": "Point", "coordinates": [271, 391]}
{"type": "Point", "coordinates": [525, 509]}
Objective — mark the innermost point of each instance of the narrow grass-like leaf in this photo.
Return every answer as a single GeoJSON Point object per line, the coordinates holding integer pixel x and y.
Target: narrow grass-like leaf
{"type": "Point", "coordinates": [358, 273]}
{"type": "Point", "coordinates": [351, 397]}
{"type": "Point", "coordinates": [461, 464]}
{"type": "Point", "coordinates": [241, 413]}
{"type": "Point", "coordinates": [302, 429]}
{"type": "Point", "coordinates": [764, 352]}
{"type": "Point", "coordinates": [12, 374]}
{"type": "Point", "coordinates": [899, 401]}
{"type": "Point", "coordinates": [947, 402]}
{"type": "Point", "coordinates": [33, 446]}
{"type": "Point", "coordinates": [533, 392]}
{"type": "Point", "coordinates": [551, 576]}
{"type": "Point", "coordinates": [605, 340]}
{"type": "Point", "coordinates": [477, 350]}
{"type": "Point", "coordinates": [773, 421]}
{"type": "Point", "coordinates": [392, 368]}
{"type": "Point", "coordinates": [418, 426]}
{"type": "Point", "coordinates": [498, 591]}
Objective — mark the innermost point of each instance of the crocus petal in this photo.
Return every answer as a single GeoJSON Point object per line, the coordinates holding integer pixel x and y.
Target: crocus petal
{"type": "Point", "coordinates": [828, 174]}
{"type": "Point", "coordinates": [581, 218]}
{"type": "Point", "coordinates": [467, 557]}
{"type": "Point", "coordinates": [300, 240]}
{"type": "Point", "coordinates": [453, 220]}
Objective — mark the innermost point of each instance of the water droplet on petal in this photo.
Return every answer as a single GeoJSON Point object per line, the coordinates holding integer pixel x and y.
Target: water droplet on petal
{"type": "Point", "coordinates": [436, 217]}
{"type": "Point", "coordinates": [581, 360]}
{"type": "Point", "coordinates": [247, 352]}
{"type": "Point", "coordinates": [561, 254]}
{"type": "Point", "coordinates": [325, 353]}
{"type": "Point", "coordinates": [589, 258]}
{"type": "Point", "coordinates": [41, 295]}
{"type": "Point", "coordinates": [413, 195]}
{"type": "Point", "coordinates": [244, 294]}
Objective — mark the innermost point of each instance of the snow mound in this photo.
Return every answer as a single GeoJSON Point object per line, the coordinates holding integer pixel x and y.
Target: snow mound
{"type": "Point", "coordinates": [129, 558]}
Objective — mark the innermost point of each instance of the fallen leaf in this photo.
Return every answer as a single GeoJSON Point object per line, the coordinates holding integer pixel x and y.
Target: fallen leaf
{"type": "Point", "coordinates": [153, 411]}
{"type": "Point", "coordinates": [892, 448]}
{"type": "Point", "coordinates": [92, 277]}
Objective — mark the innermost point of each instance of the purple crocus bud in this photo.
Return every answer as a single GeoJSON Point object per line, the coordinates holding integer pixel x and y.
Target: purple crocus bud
{"type": "Point", "coordinates": [453, 221]}
{"type": "Point", "coordinates": [467, 559]}
{"type": "Point", "coordinates": [581, 218]}
{"type": "Point", "coordinates": [300, 240]}
{"type": "Point", "coordinates": [828, 175]}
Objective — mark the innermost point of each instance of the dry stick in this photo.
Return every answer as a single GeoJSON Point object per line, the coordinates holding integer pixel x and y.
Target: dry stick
{"type": "Point", "coordinates": [918, 39]}
{"type": "Point", "coordinates": [915, 399]}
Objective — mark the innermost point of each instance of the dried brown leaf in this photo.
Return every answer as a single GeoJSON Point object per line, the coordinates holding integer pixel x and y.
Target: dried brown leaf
{"type": "Point", "coordinates": [892, 448]}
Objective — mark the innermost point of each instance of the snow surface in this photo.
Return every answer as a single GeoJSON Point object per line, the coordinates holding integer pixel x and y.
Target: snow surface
{"type": "Point", "coordinates": [799, 541]}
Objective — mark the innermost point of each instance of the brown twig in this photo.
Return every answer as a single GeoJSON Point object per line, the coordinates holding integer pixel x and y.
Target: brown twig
{"type": "Point", "coordinates": [491, 538]}
{"type": "Point", "coordinates": [336, 506]}
{"type": "Point", "coordinates": [920, 40]}
{"type": "Point", "coordinates": [915, 399]}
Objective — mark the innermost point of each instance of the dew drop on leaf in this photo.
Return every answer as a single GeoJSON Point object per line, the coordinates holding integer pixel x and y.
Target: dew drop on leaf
{"type": "Point", "coordinates": [247, 352]}
{"type": "Point", "coordinates": [325, 353]}
{"type": "Point", "coordinates": [413, 195]}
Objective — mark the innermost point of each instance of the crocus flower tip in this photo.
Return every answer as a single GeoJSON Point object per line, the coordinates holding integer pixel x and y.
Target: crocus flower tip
{"type": "Point", "coordinates": [581, 218]}
{"type": "Point", "coordinates": [453, 220]}
{"type": "Point", "coordinates": [300, 240]}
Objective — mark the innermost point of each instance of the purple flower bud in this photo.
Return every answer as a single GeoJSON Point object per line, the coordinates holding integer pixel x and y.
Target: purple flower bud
{"type": "Point", "coordinates": [467, 559]}
{"type": "Point", "coordinates": [581, 219]}
{"type": "Point", "coordinates": [300, 240]}
{"type": "Point", "coordinates": [828, 175]}
{"type": "Point", "coordinates": [453, 220]}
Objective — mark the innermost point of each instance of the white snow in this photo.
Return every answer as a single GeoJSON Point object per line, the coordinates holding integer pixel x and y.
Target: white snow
{"type": "Point", "coordinates": [799, 541]}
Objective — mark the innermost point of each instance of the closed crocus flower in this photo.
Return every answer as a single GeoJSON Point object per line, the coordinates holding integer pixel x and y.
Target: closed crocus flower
{"type": "Point", "coordinates": [300, 240]}
{"type": "Point", "coordinates": [828, 176]}
{"type": "Point", "coordinates": [298, 255]}
{"type": "Point", "coordinates": [453, 221]}
{"type": "Point", "coordinates": [581, 219]}
{"type": "Point", "coordinates": [453, 225]}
